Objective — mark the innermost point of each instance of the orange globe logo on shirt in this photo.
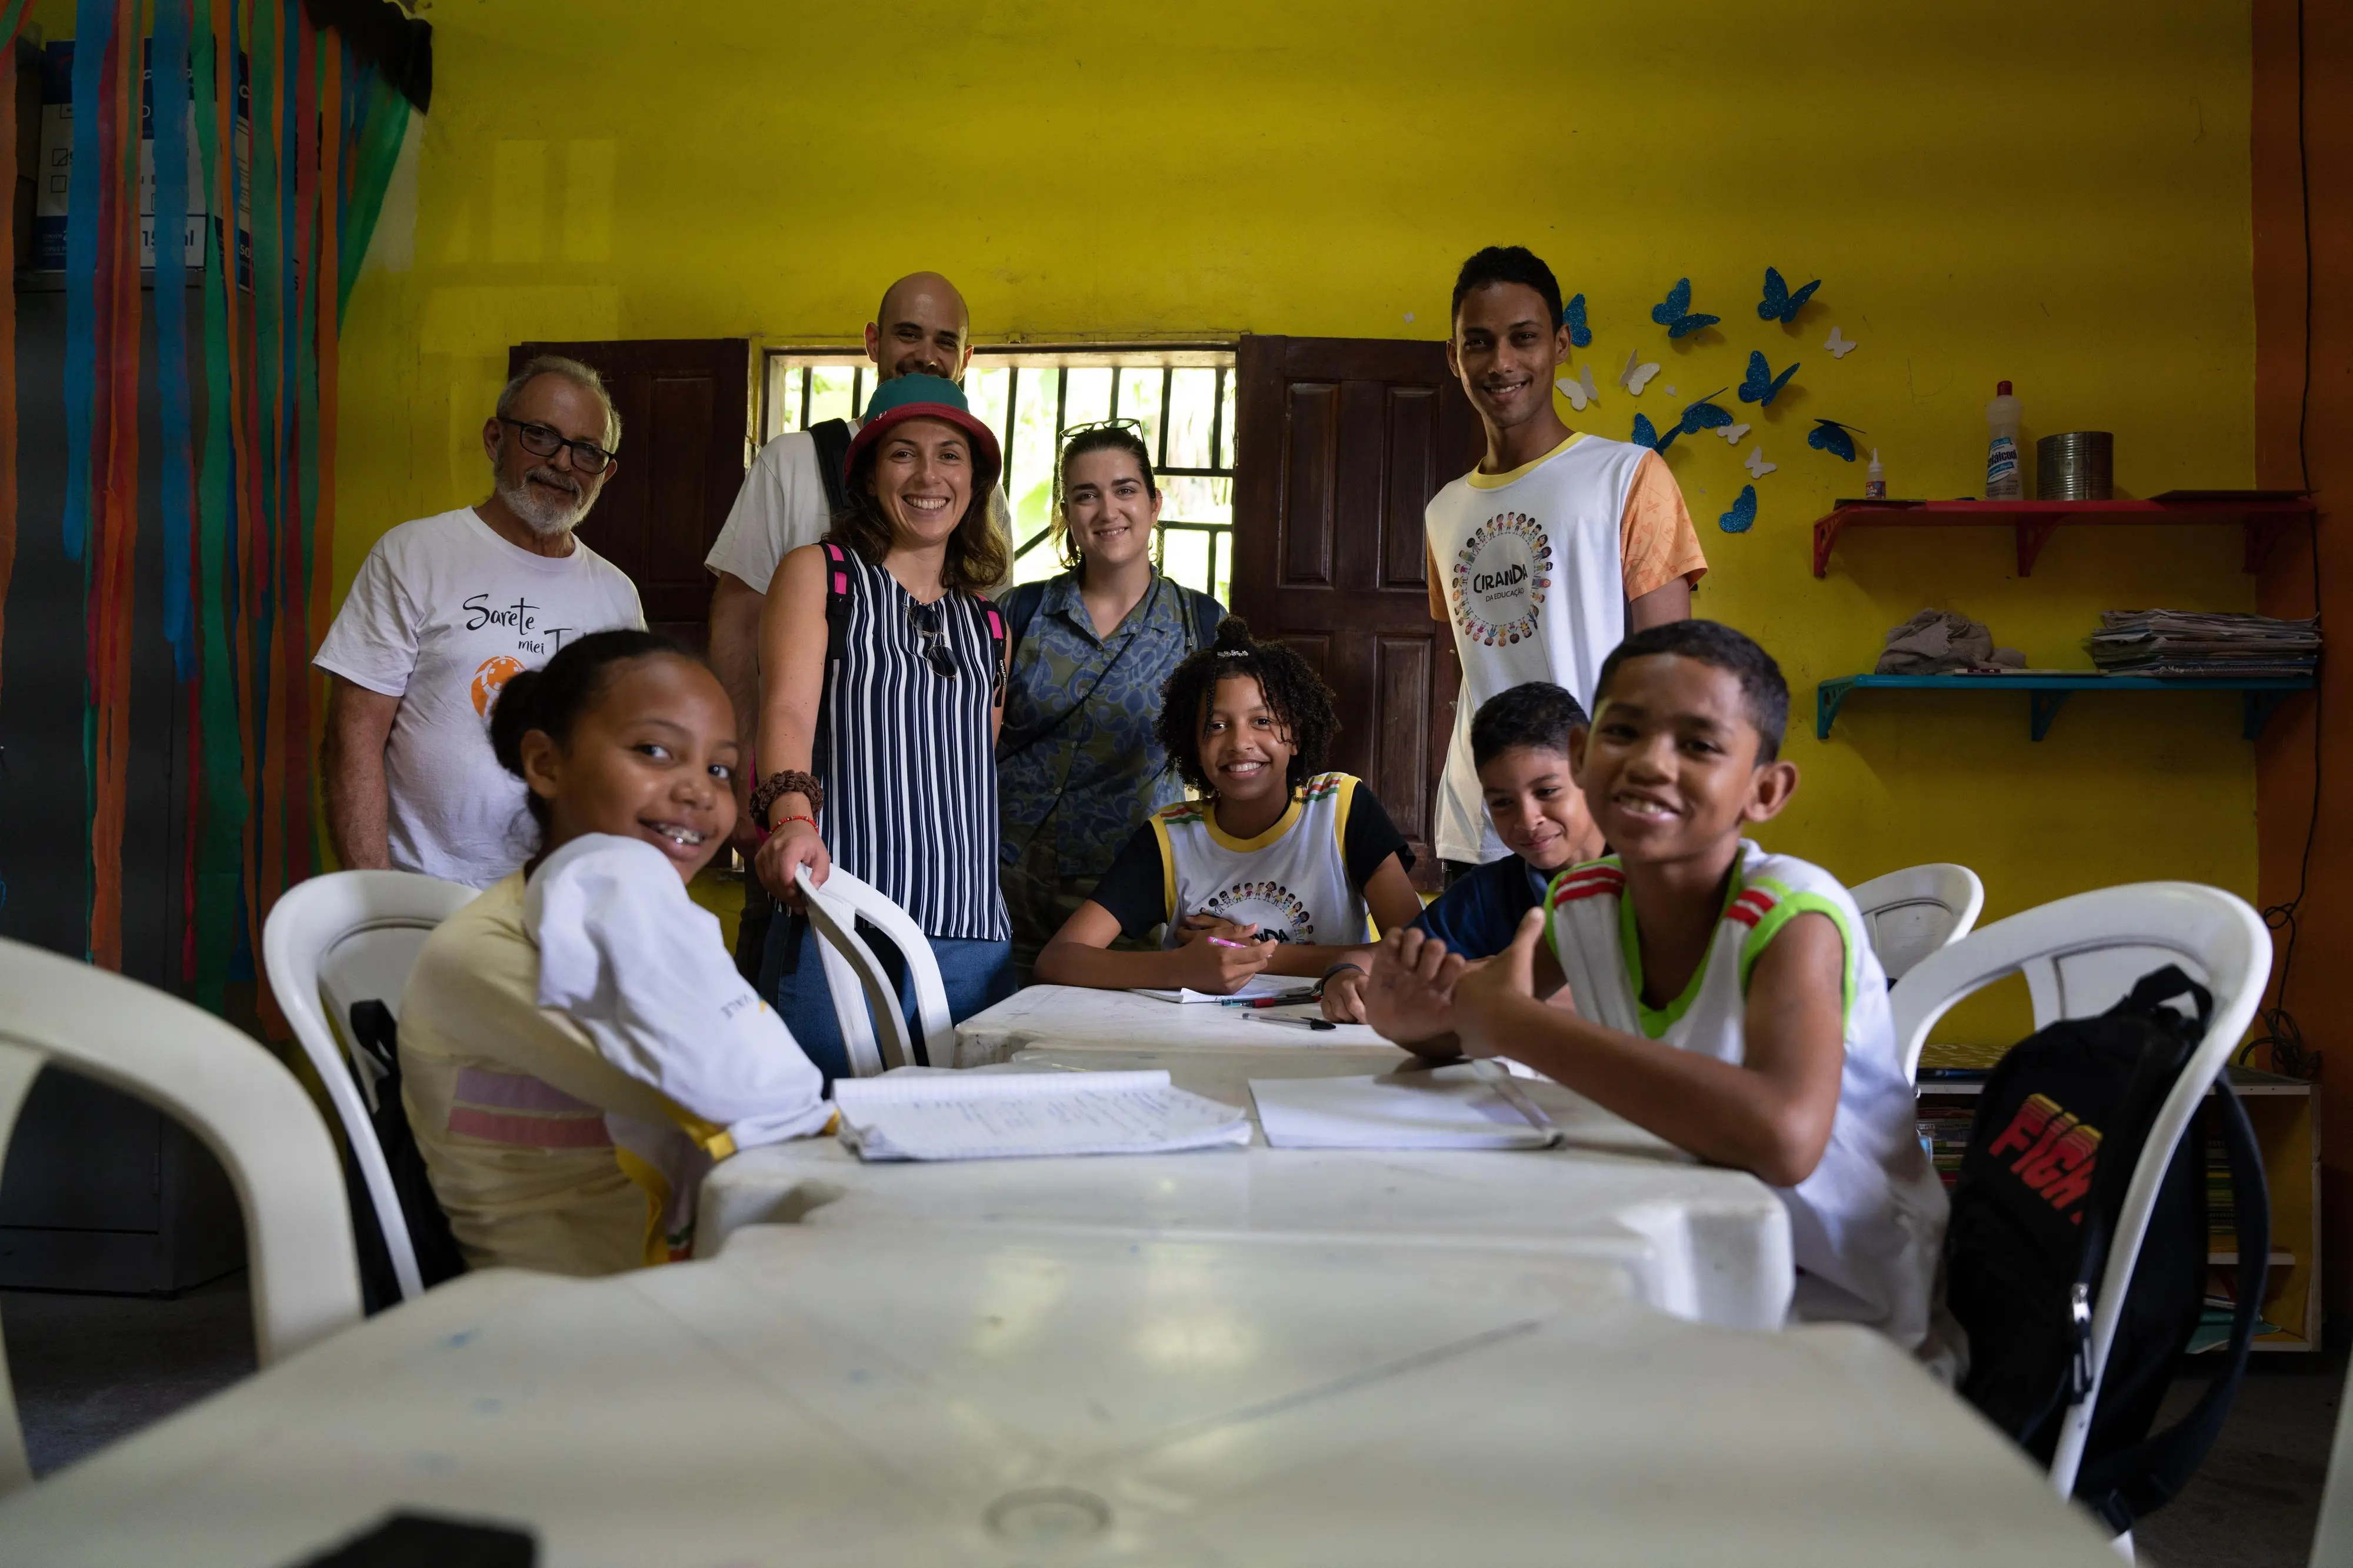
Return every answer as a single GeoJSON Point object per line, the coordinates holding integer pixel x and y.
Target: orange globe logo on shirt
{"type": "Point", "coordinates": [496, 671]}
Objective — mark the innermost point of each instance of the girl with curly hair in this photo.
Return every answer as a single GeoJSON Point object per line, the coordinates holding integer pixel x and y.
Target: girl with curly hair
{"type": "Point", "coordinates": [1278, 866]}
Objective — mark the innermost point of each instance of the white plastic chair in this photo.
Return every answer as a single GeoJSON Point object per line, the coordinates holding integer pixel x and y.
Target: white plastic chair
{"type": "Point", "coordinates": [2072, 951]}
{"type": "Point", "coordinates": [1911, 913]}
{"type": "Point", "coordinates": [227, 1090]}
{"type": "Point", "coordinates": [864, 1000]}
{"type": "Point", "coordinates": [347, 937]}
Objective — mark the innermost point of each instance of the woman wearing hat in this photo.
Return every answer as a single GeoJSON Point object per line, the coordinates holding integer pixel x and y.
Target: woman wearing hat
{"type": "Point", "coordinates": [881, 686]}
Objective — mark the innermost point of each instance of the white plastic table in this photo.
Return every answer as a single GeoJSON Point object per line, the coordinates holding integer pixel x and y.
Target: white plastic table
{"type": "Point", "coordinates": [951, 1395]}
{"type": "Point", "coordinates": [1074, 1016]}
{"type": "Point", "coordinates": [1695, 1241]}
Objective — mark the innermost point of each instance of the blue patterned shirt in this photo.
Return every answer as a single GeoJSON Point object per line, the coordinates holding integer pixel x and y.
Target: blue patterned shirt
{"type": "Point", "coordinates": [1078, 744]}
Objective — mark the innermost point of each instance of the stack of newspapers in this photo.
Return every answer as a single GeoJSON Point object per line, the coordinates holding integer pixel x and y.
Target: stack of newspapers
{"type": "Point", "coordinates": [2194, 644]}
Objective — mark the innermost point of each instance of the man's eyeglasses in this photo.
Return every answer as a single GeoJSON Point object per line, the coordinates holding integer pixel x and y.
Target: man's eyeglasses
{"type": "Point", "coordinates": [926, 620]}
{"type": "Point", "coordinates": [541, 440]}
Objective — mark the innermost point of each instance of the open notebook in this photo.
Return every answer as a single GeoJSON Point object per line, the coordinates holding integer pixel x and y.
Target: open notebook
{"type": "Point", "coordinates": [995, 1116]}
{"type": "Point", "coordinates": [1256, 986]}
{"type": "Point", "coordinates": [1454, 1106]}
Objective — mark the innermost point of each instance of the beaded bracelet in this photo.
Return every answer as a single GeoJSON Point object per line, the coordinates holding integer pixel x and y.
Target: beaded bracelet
{"type": "Point", "coordinates": [791, 781]}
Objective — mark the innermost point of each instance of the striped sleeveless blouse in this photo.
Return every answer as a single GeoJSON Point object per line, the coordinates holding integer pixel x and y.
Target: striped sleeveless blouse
{"type": "Point", "coordinates": [906, 757]}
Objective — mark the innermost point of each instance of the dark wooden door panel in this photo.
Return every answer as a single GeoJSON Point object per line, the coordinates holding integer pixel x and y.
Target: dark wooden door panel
{"type": "Point", "coordinates": [685, 406]}
{"type": "Point", "coordinates": [1342, 443]}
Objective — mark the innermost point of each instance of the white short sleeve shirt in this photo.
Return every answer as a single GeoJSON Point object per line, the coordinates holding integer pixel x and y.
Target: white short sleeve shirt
{"type": "Point", "coordinates": [442, 614]}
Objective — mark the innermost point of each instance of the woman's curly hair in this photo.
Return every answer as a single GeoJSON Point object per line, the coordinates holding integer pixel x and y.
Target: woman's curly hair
{"type": "Point", "coordinates": [1302, 702]}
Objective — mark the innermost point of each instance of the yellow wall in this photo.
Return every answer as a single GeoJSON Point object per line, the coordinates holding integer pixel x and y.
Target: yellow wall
{"type": "Point", "coordinates": [2055, 194]}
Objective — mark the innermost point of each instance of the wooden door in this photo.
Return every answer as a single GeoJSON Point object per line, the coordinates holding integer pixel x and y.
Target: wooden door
{"type": "Point", "coordinates": [1342, 442]}
{"type": "Point", "coordinates": [685, 406]}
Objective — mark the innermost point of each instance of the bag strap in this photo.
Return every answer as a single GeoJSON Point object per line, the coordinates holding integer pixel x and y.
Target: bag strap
{"type": "Point", "coordinates": [1021, 608]}
{"type": "Point", "coordinates": [832, 438]}
{"type": "Point", "coordinates": [2122, 1487]}
{"type": "Point", "coordinates": [997, 645]}
{"type": "Point", "coordinates": [837, 600]}
{"type": "Point", "coordinates": [1207, 614]}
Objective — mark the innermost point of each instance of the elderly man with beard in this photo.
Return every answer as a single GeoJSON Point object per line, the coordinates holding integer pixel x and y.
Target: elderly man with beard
{"type": "Point", "coordinates": [444, 611]}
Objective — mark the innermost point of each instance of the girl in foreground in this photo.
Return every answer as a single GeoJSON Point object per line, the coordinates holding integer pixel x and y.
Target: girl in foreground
{"type": "Point", "coordinates": [1274, 870]}
{"type": "Point", "coordinates": [592, 959]}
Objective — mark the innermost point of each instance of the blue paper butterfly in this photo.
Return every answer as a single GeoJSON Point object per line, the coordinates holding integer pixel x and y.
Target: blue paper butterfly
{"type": "Point", "coordinates": [1779, 304]}
{"type": "Point", "coordinates": [1743, 515]}
{"type": "Point", "coordinates": [1572, 316]}
{"type": "Point", "coordinates": [1837, 439]}
{"type": "Point", "coordinates": [1760, 384]}
{"type": "Point", "coordinates": [1676, 314]}
{"type": "Point", "coordinates": [1644, 436]}
{"type": "Point", "coordinates": [1705, 416]}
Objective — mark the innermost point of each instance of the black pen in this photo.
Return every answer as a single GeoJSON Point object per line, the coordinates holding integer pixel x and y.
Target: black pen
{"type": "Point", "coordinates": [1295, 1022]}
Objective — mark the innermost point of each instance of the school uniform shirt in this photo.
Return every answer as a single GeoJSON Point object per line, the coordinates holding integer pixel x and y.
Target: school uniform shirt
{"type": "Point", "coordinates": [1479, 915]}
{"type": "Point", "coordinates": [442, 614]}
{"type": "Point", "coordinates": [1533, 569]}
{"type": "Point", "coordinates": [600, 953]}
{"type": "Point", "coordinates": [782, 506]}
{"type": "Point", "coordinates": [1868, 1223]}
{"type": "Point", "coordinates": [1302, 881]}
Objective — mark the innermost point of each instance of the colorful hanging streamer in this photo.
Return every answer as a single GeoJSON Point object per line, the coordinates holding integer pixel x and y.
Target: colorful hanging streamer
{"type": "Point", "coordinates": [318, 96]}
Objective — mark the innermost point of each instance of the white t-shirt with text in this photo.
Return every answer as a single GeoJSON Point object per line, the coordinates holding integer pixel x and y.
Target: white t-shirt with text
{"type": "Point", "coordinates": [443, 613]}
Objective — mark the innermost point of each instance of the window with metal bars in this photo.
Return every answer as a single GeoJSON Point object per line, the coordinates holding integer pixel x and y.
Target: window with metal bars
{"type": "Point", "coordinates": [1181, 398]}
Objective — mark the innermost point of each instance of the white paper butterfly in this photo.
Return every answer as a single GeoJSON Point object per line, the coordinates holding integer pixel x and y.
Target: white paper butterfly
{"type": "Point", "coordinates": [1756, 466]}
{"type": "Point", "coordinates": [1732, 432]}
{"type": "Point", "coordinates": [1635, 378]}
{"type": "Point", "coordinates": [1840, 347]}
{"type": "Point", "coordinates": [1670, 391]}
{"type": "Point", "coordinates": [1578, 390]}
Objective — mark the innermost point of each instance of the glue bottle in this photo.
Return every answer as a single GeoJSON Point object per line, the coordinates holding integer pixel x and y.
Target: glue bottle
{"type": "Point", "coordinates": [2003, 479]}
{"type": "Point", "coordinates": [1874, 479]}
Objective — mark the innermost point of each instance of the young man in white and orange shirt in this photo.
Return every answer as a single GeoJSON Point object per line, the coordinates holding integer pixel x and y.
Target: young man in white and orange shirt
{"type": "Point", "coordinates": [1556, 547]}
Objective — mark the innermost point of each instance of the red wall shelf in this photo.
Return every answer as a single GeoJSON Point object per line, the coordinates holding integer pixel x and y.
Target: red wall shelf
{"type": "Point", "coordinates": [2262, 515]}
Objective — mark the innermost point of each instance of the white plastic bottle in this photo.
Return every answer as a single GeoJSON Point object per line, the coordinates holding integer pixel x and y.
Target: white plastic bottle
{"type": "Point", "coordinates": [1874, 479]}
{"type": "Point", "coordinates": [2003, 481]}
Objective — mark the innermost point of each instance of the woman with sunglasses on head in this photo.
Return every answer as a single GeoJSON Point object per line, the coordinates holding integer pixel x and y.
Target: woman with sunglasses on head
{"type": "Point", "coordinates": [1079, 765]}
{"type": "Point", "coordinates": [881, 686]}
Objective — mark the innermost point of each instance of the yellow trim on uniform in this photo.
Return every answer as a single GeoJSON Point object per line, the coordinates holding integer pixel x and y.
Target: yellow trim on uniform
{"type": "Point", "coordinates": [656, 1187]}
{"type": "Point", "coordinates": [1167, 865]}
{"type": "Point", "coordinates": [1226, 840]}
{"type": "Point", "coordinates": [1482, 481]}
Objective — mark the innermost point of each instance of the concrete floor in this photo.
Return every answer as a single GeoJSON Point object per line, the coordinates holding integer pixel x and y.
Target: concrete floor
{"type": "Point", "coordinates": [90, 1368]}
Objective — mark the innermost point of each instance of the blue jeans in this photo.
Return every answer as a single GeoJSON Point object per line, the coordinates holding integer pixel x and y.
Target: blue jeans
{"type": "Point", "coordinates": [978, 974]}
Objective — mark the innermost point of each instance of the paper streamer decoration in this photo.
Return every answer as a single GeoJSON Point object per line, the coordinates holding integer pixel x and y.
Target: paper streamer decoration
{"type": "Point", "coordinates": [247, 509]}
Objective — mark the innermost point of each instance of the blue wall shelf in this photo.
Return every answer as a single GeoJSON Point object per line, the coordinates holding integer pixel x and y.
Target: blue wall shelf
{"type": "Point", "coordinates": [2046, 692]}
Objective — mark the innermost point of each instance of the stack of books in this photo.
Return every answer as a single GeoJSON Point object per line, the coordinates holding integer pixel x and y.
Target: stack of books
{"type": "Point", "coordinates": [2190, 644]}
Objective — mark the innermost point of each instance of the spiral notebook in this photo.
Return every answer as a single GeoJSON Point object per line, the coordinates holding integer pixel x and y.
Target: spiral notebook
{"type": "Point", "coordinates": [1006, 1116]}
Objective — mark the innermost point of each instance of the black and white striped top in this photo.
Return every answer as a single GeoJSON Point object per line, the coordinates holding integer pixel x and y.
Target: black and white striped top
{"type": "Point", "coordinates": [906, 756]}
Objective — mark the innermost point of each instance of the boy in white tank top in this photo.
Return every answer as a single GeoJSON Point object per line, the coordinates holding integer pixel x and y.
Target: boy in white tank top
{"type": "Point", "coordinates": [1723, 998]}
{"type": "Point", "coordinates": [1555, 546]}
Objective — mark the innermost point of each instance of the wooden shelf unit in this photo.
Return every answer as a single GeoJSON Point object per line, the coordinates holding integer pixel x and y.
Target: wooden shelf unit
{"type": "Point", "coordinates": [2036, 520]}
{"type": "Point", "coordinates": [2285, 1118]}
{"type": "Point", "coordinates": [2263, 694]}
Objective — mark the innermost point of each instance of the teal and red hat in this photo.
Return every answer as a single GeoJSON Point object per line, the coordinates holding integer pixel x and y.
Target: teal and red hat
{"type": "Point", "coordinates": [906, 397]}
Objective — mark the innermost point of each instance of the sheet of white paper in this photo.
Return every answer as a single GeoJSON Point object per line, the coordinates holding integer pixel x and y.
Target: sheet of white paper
{"type": "Point", "coordinates": [1256, 985]}
{"type": "Point", "coordinates": [1017, 1115]}
{"type": "Point", "coordinates": [1451, 1107]}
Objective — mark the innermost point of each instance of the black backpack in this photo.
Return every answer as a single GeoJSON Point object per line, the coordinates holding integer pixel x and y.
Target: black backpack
{"type": "Point", "coordinates": [2058, 1129]}
{"type": "Point", "coordinates": [437, 1258]}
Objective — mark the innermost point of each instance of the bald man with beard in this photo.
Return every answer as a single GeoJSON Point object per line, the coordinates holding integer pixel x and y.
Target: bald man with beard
{"type": "Point", "coordinates": [920, 329]}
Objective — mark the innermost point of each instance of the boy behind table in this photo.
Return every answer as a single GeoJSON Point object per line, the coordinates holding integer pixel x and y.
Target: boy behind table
{"type": "Point", "coordinates": [1520, 742]}
{"type": "Point", "coordinates": [1555, 546]}
{"type": "Point", "coordinates": [1723, 997]}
